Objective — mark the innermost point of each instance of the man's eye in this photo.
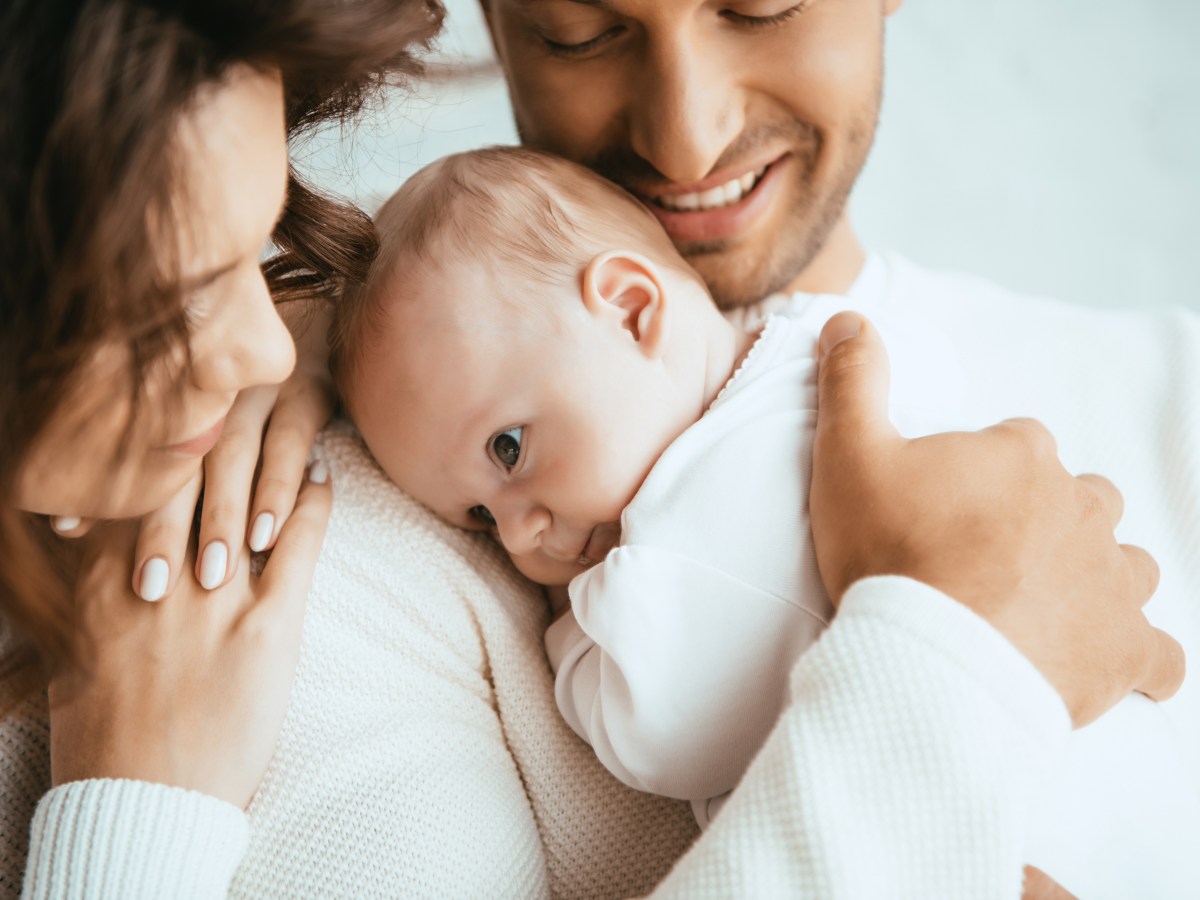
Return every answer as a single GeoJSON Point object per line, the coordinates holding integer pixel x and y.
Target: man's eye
{"type": "Point", "coordinates": [482, 514]}
{"type": "Point", "coordinates": [506, 447]}
{"type": "Point", "coordinates": [579, 48]}
{"type": "Point", "coordinates": [763, 18]}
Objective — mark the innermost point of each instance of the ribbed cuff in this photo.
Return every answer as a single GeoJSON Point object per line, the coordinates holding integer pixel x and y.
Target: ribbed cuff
{"type": "Point", "coordinates": [133, 839]}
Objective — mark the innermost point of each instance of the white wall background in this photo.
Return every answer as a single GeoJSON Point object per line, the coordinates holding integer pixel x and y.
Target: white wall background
{"type": "Point", "coordinates": [1052, 145]}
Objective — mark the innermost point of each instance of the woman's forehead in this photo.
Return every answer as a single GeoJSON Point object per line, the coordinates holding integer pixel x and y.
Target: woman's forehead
{"type": "Point", "coordinates": [233, 170]}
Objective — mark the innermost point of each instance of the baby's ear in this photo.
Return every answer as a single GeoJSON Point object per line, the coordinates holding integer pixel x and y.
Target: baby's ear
{"type": "Point", "coordinates": [624, 288]}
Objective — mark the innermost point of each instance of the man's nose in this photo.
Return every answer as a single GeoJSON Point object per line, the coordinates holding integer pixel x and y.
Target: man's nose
{"type": "Point", "coordinates": [691, 109]}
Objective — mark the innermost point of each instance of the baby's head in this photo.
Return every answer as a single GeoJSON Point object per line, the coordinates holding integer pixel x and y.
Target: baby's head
{"type": "Point", "coordinates": [527, 344]}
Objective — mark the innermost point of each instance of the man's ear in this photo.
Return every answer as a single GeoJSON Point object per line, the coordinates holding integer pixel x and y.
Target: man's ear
{"type": "Point", "coordinates": [890, 6]}
{"type": "Point", "coordinates": [624, 288]}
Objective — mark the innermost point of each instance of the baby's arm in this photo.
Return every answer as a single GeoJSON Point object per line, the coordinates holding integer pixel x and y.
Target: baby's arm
{"type": "Point", "coordinates": [672, 670]}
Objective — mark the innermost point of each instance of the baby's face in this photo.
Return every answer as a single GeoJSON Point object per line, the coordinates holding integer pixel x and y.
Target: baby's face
{"type": "Point", "coordinates": [539, 428]}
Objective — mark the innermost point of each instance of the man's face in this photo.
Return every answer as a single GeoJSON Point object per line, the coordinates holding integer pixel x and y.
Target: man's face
{"type": "Point", "coordinates": [742, 124]}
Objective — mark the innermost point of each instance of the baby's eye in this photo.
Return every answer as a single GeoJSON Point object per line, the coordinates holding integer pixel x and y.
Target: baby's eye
{"type": "Point", "coordinates": [506, 446]}
{"type": "Point", "coordinates": [482, 514]}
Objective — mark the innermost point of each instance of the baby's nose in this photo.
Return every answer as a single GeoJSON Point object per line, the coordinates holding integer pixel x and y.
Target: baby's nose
{"type": "Point", "coordinates": [521, 528]}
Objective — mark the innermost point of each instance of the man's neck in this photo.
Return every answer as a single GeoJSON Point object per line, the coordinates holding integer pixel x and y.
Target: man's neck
{"type": "Point", "coordinates": [834, 269]}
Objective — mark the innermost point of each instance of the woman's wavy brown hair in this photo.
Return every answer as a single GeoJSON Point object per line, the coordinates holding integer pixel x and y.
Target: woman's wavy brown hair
{"type": "Point", "coordinates": [91, 92]}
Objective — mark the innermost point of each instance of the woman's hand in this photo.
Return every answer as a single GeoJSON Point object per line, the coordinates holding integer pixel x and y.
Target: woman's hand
{"type": "Point", "coordinates": [990, 518]}
{"type": "Point", "coordinates": [291, 414]}
{"type": "Point", "coordinates": [190, 693]}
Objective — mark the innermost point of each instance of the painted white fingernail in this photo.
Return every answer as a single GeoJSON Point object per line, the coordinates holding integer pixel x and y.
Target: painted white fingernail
{"type": "Point", "coordinates": [319, 473]}
{"type": "Point", "coordinates": [155, 574]}
{"type": "Point", "coordinates": [260, 534]}
{"type": "Point", "coordinates": [213, 564]}
{"type": "Point", "coordinates": [64, 523]}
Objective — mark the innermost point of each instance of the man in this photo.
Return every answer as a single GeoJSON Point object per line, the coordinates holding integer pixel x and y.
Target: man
{"type": "Point", "coordinates": [743, 126]}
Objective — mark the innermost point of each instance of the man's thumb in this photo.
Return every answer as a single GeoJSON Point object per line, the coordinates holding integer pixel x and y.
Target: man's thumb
{"type": "Point", "coordinates": [852, 380]}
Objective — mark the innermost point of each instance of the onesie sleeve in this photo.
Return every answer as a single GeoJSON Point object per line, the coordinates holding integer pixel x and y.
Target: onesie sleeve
{"type": "Point", "coordinates": [133, 840]}
{"type": "Point", "coordinates": [673, 670]}
{"type": "Point", "coordinates": [905, 764]}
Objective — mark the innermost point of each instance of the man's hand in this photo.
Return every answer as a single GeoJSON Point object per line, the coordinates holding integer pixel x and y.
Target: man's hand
{"type": "Point", "coordinates": [990, 518]}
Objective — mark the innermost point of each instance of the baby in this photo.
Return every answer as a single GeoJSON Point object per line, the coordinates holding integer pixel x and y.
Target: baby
{"type": "Point", "coordinates": [531, 357]}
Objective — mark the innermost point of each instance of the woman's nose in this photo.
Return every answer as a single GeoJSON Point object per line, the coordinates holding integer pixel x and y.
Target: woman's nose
{"type": "Point", "coordinates": [246, 345]}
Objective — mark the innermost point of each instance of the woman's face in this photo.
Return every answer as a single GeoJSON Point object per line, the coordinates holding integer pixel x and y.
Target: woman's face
{"type": "Point", "coordinates": [93, 459]}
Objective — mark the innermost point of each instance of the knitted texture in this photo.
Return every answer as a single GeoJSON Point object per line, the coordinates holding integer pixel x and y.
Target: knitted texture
{"type": "Point", "coordinates": [423, 754]}
{"type": "Point", "coordinates": [911, 717]}
{"type": "Point", "coordinates": [186, 844]}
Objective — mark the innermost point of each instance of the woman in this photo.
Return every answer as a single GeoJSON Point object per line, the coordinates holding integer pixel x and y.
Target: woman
{"type": "Point", "coordinates": [140, 127]}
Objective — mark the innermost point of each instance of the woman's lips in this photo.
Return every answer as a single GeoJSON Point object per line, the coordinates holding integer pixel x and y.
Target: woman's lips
{"type": "Point", "coordinates": [201, 443]}
{"type": "Point", "coordinates": [724, 221]}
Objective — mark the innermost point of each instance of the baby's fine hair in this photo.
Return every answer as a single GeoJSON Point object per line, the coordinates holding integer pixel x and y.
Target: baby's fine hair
{"type": "Point", "coordinates": [536, 216]}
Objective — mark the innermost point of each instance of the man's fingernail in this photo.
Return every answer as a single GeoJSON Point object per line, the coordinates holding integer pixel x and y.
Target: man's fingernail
{"type": "Point", "coordinates": [213, 563]}
{"type": "Point", "coordinates": [63, 524]}
{"type": "Point", "coordinates": [260, 534]}
{"type": "Point", "coordinates": [842, 329]}
{"type": "Point", "coordinates": [152, 585]}
{"type": "Point", "coordinates": [319, 473]}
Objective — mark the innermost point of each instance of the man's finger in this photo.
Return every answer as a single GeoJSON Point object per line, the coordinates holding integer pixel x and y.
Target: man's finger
{"type": "Point", "coordinates": [1165, 666]}
{"type": "Point", "coordinates": [1114, 503]}
{"type": "Point", "coordinates": [853, 380]}
{"type": "Point", "coordinates": [1143, 571]}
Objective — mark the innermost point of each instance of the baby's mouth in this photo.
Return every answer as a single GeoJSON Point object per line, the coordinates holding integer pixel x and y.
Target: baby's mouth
{"type": "Point", "coordinates": [602, 539]}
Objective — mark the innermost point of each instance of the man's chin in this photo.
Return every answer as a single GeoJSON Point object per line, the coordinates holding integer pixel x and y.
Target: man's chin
{"type": "Point", "coordinates": [736, 282]}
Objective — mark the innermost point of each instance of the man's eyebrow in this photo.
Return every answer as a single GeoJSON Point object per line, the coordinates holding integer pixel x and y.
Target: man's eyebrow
{"type": "Point", "coordinates": [598, 4]}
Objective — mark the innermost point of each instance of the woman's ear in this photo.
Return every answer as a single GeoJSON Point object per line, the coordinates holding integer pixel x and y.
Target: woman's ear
{"type": "Point", "coordinates": [624, 288]}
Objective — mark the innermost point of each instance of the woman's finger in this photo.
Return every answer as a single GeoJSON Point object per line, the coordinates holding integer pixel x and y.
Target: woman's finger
{"type": "Point", "coordinates": [71, 526]}
{"type": "Point", "coordinates": [303, 408]}
{"type": "Point", "coordinates": [162, 542]}
{"type": "Point", "coordinates": [228, 475]}
{"type": "Point", "coordinates": [287, 577]}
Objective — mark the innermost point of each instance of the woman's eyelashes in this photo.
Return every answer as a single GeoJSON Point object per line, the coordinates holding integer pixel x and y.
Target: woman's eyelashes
{"type": "Point", "coordinates": [505, 447]}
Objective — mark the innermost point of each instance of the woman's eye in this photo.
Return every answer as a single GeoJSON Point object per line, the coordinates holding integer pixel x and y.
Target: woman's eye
{"type": "Point", "coordinates": [506, 447]}
{"type": "Point", "coordinates": [482, 514]}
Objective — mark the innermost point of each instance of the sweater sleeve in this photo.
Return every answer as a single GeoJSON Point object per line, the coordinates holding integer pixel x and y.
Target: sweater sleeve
{"type": "Point", "coordinates": [133, 839]}
{"type": "Point", "coordinates": [652, 668]}
{"type": "Point", "coordinates": [905, 765]}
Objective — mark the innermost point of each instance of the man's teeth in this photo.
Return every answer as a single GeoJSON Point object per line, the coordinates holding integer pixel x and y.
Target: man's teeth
{"type": "Point", "coordinates": [714, 198]}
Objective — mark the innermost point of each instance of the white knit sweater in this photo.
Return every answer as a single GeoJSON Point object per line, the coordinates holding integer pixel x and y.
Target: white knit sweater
{"type": "Point", "coordinates": [423, 754]}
